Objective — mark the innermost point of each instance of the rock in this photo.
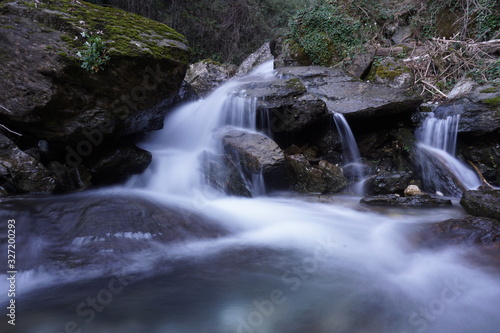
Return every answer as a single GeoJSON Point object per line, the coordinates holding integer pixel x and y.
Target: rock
{"type": "Point", "coordinates": [293, 150]}
{"type": "Point", "coordinates": [224, 174]}
{"type": "Point", "coordinates": [388, 182]}
{"type": "Point", "coordinates": [484, 152]}
{"type": "Point", "coordinates": [391, 72]}
{"type": "Point", "coordinates": [361, 64]}
{"type": "Point", "coordinates": [256, 152]}
{"type": "Point", "coordinates": [206, 75]}
{"type": "Point", "coordinates": [117, 165]}
{"type": "Point", "coordinates": [396, 200]}
{"type": "Point", "coordinates": [482, 203]}
{"type": "Point", "coordinates": [288, 53]}
{"type": "Point", "coordinates": [89, 228]}
{"type": "Point", "coordinates": [70, 178]}
{"type": "Point", "coordinates": [462, 88]}
{"type": "Point", "coordinates": [469, 230]}
{"type": "Point", "coordinates": [21, 173]}
{"type": "Point", "coordinates": [401, 35]}
{"type": "Point", "coordinates": [476, 118]}
{"type": "Point", "coordinates": [303, 177]}
{"type": "Point", "coordinates": [260, 56]}
{"type": "Point", "coordinates": [53, 98]}
{"type": "Point", "coordinates": [412, 190]}
{"type": "Point", "coordinates": [357, 100]}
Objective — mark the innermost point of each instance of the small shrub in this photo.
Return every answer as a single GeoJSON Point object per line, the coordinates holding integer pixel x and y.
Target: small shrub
{"type": "Point", "coordinates": [94, 57]}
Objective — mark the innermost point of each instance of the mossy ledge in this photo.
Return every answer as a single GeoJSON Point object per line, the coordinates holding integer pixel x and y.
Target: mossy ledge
{"type": "Point", "coordinates": [126, 34]}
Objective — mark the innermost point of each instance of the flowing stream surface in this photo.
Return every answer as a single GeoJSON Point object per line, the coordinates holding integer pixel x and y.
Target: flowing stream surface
{"type": "Point", "coordinates": [275, 263]}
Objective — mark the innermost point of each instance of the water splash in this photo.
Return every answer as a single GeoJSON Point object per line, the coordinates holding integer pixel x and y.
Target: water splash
{"type": "Point", "coordinates": [350, 152]}
{"type": "Point", "coordinates": [440, 169]}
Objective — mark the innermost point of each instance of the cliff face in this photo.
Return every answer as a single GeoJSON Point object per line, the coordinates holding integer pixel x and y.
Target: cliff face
{"type": "Point", "coordinates": [47, 95]}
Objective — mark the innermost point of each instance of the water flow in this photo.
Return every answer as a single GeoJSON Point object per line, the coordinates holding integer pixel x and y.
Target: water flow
{"type": "Point", "coordinates": [189, 131]}
{"type": "Point", "coordinates": [441, 170]}
{"type": "Point", "coordinates": [350, 152]}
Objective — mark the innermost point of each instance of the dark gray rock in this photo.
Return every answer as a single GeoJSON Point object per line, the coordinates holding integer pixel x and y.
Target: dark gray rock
{"type": "Point", "coordinates": [256, 152]}
{"type": "Point", "coordinates": [388, 183]}
{"type": "Point", "coordinates": [353, 98]}
{"type": "Point", "coordinates": [119, 164]}
{"type": "Point", "coordinates": [303, 177]}
{"type": "Point", "coordinates": [482, 203]}
{"type": "Point", "coordinates": [20, 172]}
{"type": "Point", "coordinates": [224, 174]}
{"type": "Point", "coordinates": [415, 201]}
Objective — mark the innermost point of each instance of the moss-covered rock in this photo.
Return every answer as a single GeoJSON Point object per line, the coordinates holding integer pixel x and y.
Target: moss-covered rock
{"type": "Point", "coordinates": [392, 72]}
{"type": "Point", "coordinates": [46, 94]}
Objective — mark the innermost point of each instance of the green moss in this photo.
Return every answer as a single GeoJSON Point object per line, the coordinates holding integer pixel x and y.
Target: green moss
{"type": "Point", "coordinates": [294, 84]}
{"type": "Point", "coordinates": [126, 34]}
{"type": "Point", "coordinates": [492, 101]}
{"type": "Point", "coordinates": [48, 47]}
{"type": "Point", "coordinates": [63, 54]}
{"type": "Point", "coordinates": [489, 90]}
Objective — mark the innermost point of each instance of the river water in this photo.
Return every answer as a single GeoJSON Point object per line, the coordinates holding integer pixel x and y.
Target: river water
{"type": "Point", "coordinates": [279, 263]}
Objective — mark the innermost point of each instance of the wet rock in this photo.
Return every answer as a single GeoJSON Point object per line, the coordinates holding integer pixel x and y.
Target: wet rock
{"type": "Point", "coordinates": [206, 75]}
{"type": "Point", "coordinates": [469, 230]}
{"type": "Point", "coordinates": [224, 174]}
{"type": "Point", "coordinates": [388, 182]}
{"type": "Point", "coordinates": [260, 56]}
{"type": "Point", "coordinates": [70, 178]}
{"type": "Point", "coordinates": [415, 201]}
{"type": "Point", "coordinates": [20, 172]}
{"type": "Point", "coordinates": [119, 164]}
{"type": "Point", "coordinates": [303, 177]}
{"type": "Point", "coordinates": [482, 203]}
{"type": "Point", "coordinates": [256, 152]}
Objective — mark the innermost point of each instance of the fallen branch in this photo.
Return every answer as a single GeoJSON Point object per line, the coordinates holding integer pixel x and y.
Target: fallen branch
{"type": "Point", "coordinates": [484, 183]}
{"type": "Point", "coordinates": [435, 88]}
{"type": "Point", "coordinates": [3, 107]}
{"type": "Point", "coordinates": [9, 130]}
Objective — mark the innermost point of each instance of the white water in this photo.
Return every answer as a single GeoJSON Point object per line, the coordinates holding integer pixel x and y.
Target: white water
{"type": "Point", "coordinates": [437, 138]}
{"type": "Point", "coordinates": [350, 152]}
{"type": "Point", "coordinates": [288, 265]}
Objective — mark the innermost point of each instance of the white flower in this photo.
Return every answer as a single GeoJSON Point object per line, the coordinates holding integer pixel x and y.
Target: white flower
{"type": "Point", "coordinates": [79, 54]}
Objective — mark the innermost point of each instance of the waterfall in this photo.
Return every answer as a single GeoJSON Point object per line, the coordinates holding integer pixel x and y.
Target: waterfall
{"type": "Point", "coordinates": [350, 152]}
{"type": "Point", "coordinates": [189, 132]}
{"type": "Point", "coordinates": [440, 169]}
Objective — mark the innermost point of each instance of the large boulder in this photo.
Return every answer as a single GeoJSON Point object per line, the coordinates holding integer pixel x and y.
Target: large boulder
{"type": "Point", "coordinates": [81, 114]}
{"type": "Point", "coordinates": [21, 173]}
{"type": "Point", "coordinates": [356, 99]}
{"type": "Point", "coordinates": [257, 58]}
{"type": "Point", "coordinates": [482, 203]}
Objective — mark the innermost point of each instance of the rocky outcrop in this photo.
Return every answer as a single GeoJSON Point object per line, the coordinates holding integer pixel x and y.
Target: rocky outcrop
{"type": "Point", "coordinates": [206, 75]}
{"type": "Point", "coordinates": [482, 203]}
{"type": "Point", "coordinates": [307, 178]}
{"type": "Point", "coordinates": [49, 96]}
{"type": "Point", "coordinates": [425, 201]}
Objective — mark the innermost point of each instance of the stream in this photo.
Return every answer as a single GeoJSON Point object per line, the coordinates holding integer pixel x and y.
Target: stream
{"type": "Point", "coordinates": [110, 260]}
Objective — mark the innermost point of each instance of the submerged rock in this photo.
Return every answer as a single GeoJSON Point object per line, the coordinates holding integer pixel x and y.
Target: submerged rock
{"type": "Point", "coordinates": [482, 203]}
{"type": "Point", "coordinates": [415, 201]}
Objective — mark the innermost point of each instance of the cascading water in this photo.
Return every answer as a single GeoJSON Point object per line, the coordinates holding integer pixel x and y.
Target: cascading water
{"type": "Point", "coordinates": [189, 131]}
{"type": "Point", "coordinates": [440, 169]}
{"type": "Point", "coordinates": [350, 152]}
{"type": "Point", "coordinates": [230, 264]}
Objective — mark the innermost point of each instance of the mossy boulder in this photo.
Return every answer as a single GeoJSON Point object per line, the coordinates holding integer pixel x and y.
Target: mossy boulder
{"type": "Point", "coordinates": [46, 94]}
{"type": "Point", "coordinates": [392, 72]}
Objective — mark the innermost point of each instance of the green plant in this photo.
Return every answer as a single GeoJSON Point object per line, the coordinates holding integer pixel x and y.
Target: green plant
{"type": "Point", "coordinates": [94, 57]}
{"type": "Point", "coordinates": [327, 32]}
